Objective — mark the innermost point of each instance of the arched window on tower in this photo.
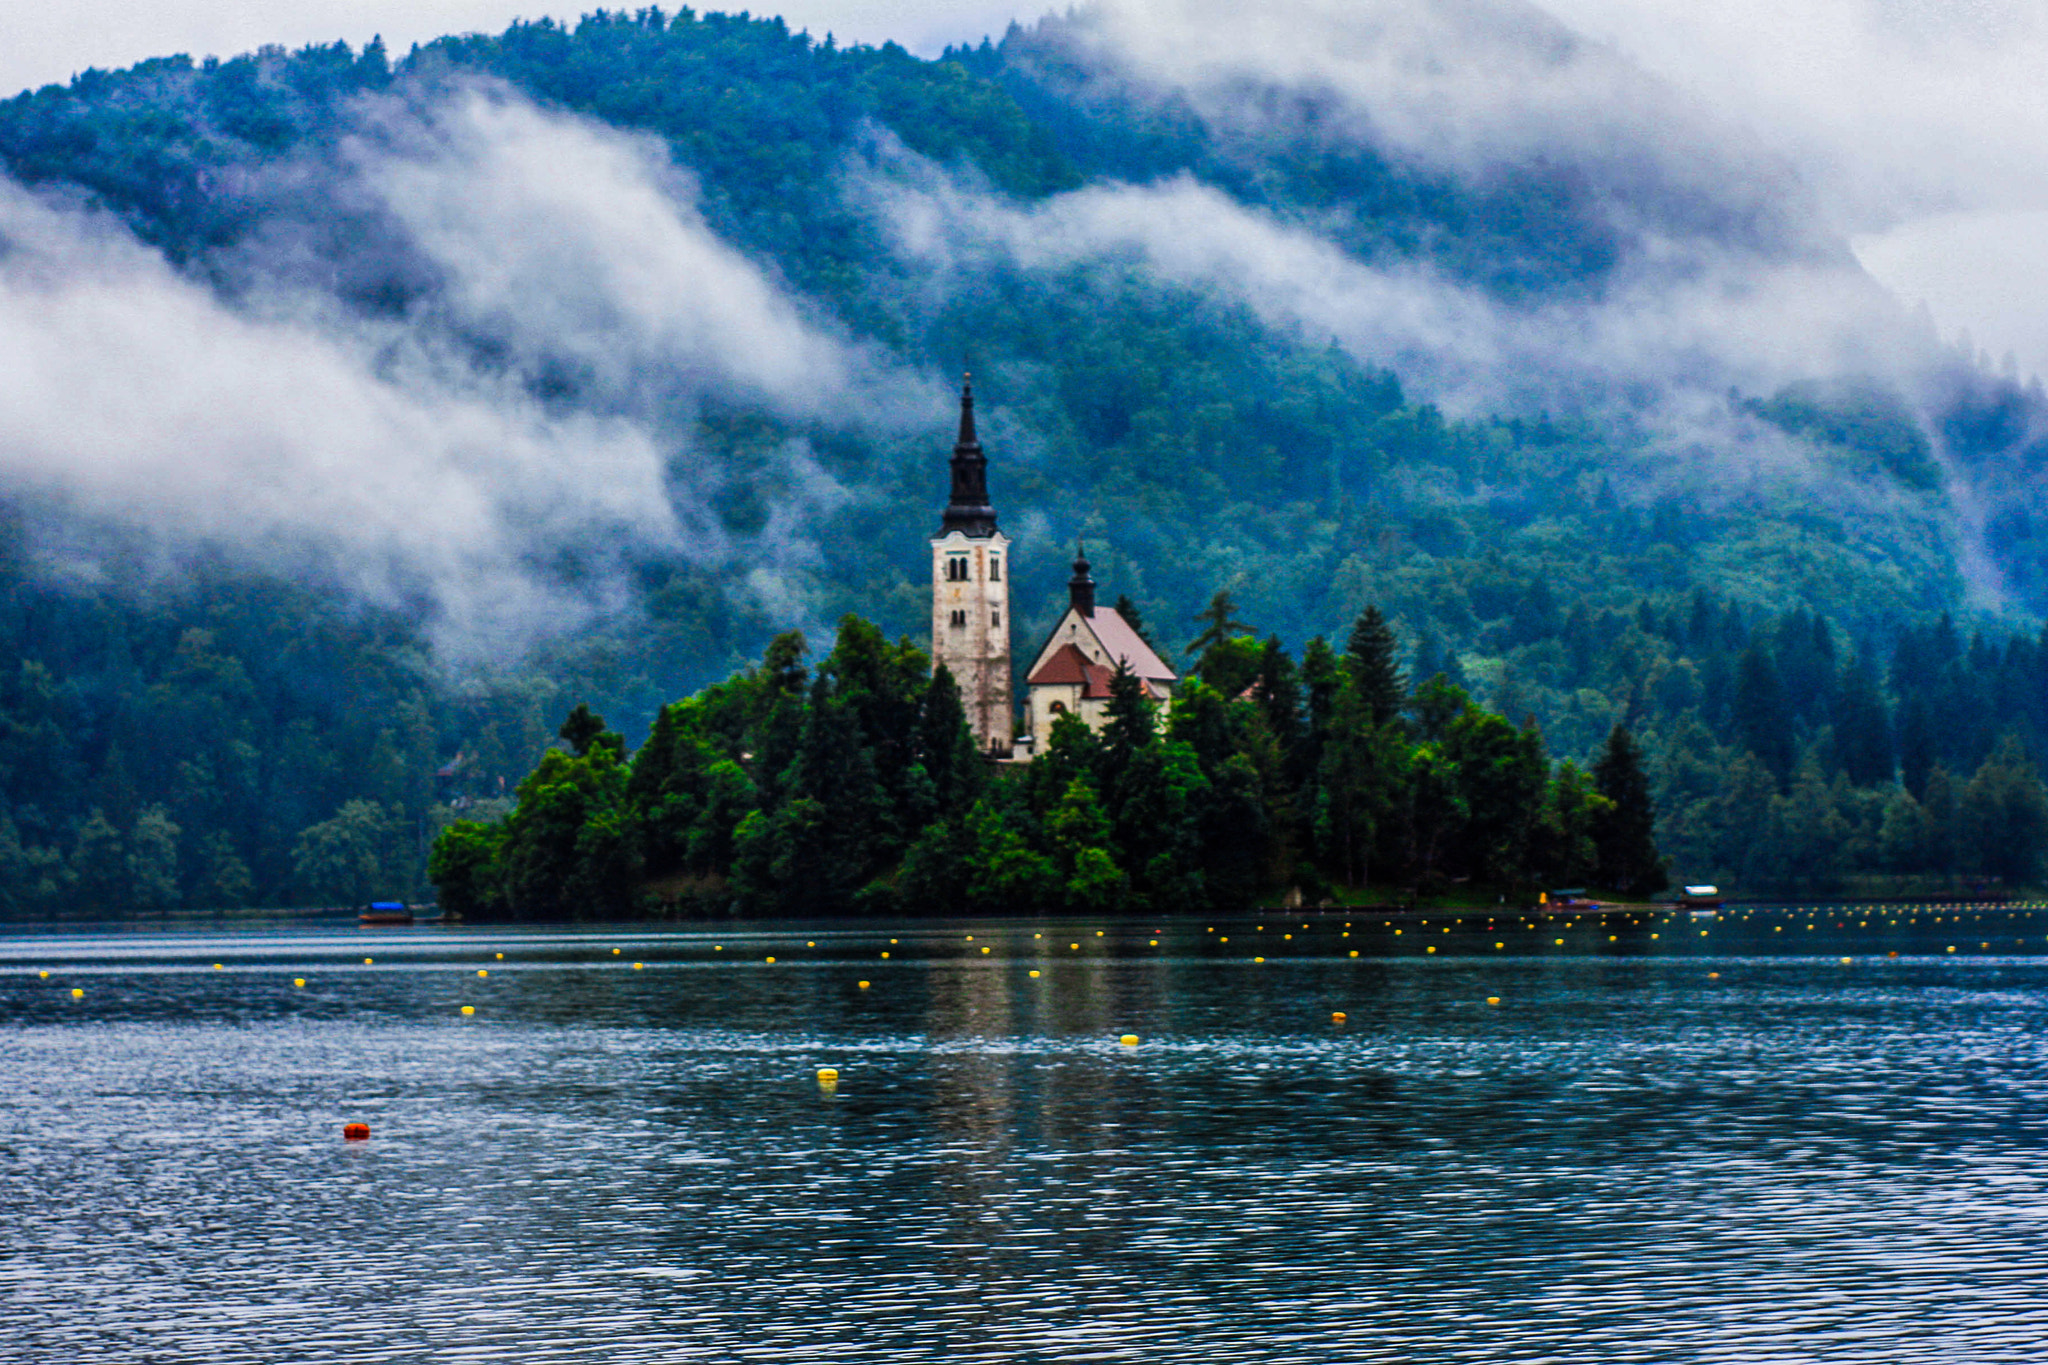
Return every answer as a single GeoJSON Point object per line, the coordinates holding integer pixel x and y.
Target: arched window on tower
{"type": "Point", "coordinates": [995, 568]}
{"type": "Point", "coordinates": [956, 568]}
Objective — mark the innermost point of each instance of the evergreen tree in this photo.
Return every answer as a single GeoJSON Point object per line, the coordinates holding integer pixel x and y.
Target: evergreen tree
{"type": "Point", "coordinates": [1863, 741]}
{"type": "Point", "coordinates": [946, 746]}
{"type": "Point", "coordinates": [1278, 690]}
{"type": "Point", "coordinates": [1763, 723]}
{"type": "Point", "coordinates": [1626, 837]}
{"type": "Point", "coordinates": [2002, 816]}
{"type": "Point", "coordinates": [1917, 756]}
{"type": "Point", "coordinates": [1219, 624]}
{"type": "Point", "coordinates": [1372, 656]}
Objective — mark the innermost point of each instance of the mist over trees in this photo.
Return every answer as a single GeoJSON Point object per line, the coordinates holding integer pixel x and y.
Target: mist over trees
{"type": "Point", "coordinates": [1828, 669]}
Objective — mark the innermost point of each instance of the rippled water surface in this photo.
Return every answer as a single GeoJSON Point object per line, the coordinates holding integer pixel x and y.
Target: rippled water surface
{"type": "Point", "coordinates": [1741, 1139]}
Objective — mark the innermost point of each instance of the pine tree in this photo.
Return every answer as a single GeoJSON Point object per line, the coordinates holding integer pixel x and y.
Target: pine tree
{"type": "Point", "coordinates": [1626, 835]}
{"type": "Point", "coordinates": [1763, 723]}
{"type": "Point", "coordinates": [1863, 741]}
{"type": "Point", "coordinates": [1220, 624]}
{"type": "Point", "coordinates": [1917, 757]}
{"type": "Point", "coordinates": [1375, 667]}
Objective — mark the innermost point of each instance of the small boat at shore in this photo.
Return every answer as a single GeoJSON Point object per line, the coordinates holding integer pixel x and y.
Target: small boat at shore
{"type": "Point", "coordinates": [1699, 898]}
{"type": "Point", "coordinates": [386, 913]}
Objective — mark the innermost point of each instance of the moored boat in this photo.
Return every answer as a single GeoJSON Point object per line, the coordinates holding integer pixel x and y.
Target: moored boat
{"type": "Point", "coordinates": [386, 912]}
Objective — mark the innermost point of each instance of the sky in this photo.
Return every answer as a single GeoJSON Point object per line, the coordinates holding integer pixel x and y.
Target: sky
{"type": "Point", "coordinates": [1925, 120]}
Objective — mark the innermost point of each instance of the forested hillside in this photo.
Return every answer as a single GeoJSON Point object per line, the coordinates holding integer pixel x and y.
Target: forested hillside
{"type": "Point", "coordinates": [1235, 339]}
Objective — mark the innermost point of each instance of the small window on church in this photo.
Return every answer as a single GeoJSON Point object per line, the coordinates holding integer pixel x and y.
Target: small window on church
{"type": "Point", "coordinates": [956, 568]}
{"type": "Point", "coordinates": [959, 620]}
{"type": "Point", "coordinates": [995, 568]}
{"type": "Point", "coordinates": [995, 618]}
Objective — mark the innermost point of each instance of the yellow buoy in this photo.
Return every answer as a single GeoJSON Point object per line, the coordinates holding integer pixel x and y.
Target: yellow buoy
{"type": "Point", "coordinates": [44, 975]}
{"type": "Point", "coordinates": [1433, 950]}
{"type": "Point", "coordinates": [885, 952]}
{"type": "Point", "coordinates": [469, 1009]}
{"type": "Point", "coordinates": [1034, 971]}
{"type": "Point", "coordinates": [827, 1075]}
{"type": "Point", "coordinates": [217, 967]}
{"type": "Point", "coordinates": [1354, 952]}
{"type": "Point", "coordinates": [1129, 1040]}
{"type": "Point", "coordinates": [1074, 945]}
{"type": "Point", "coordinates": [812, 943]}
{"type": "Point", "coordinates": [771, 962]}
{"type": "Point", "coordinates": [1337, 1016]}
{"type": "Point", "coordinates": [481, 972]}
{"type": "Point", "coordinates": [298, 981]}
{"type": "Point", "coordinates": [984, 950]}
{"type": "Point", "coordinates": [1258, 959]}
{"type": "Point", "coordinates": [863, 985]}
{"type": "Point", "coordinates": [1493, 1000]}
{"type": "Point", "coordinates": [1155, 943]}
{"type": "Point", "coordinates": [368, 960]}
{"type": "Point", "coordinates": [1716, 976]}
{"type": "Point", "coordinates": [615, 952]}
{"type": "Point", "coordinates": [77, 993]}
{"type": "Point", "coordinates": [501, 957]}
{"type": "Point", "coordinates": [637, 966]}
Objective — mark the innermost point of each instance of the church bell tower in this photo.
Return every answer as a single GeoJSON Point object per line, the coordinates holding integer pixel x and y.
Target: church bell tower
{"type": "Point", "coordinates": [971, 593]}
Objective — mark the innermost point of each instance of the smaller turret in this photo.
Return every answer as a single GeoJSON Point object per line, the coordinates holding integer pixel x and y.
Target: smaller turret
{"type": "Point", "coordinates": [1081, 588]}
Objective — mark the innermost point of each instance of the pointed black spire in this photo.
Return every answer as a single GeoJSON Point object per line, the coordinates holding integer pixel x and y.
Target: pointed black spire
{"type": "Point", "coordinates": [968, 509]}
{"type": "Point", "coordinates": [1081, 588]}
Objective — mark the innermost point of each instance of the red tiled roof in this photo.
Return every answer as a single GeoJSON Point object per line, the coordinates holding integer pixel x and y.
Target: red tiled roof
{"type": "Point", "coordinates": [1070, 666]}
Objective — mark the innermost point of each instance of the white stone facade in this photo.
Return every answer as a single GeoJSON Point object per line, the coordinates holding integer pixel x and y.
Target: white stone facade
{"type": "Point", "coordinates": [971, 629]}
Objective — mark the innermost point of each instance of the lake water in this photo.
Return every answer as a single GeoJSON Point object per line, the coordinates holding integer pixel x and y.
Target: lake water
{"type": "Point", "coordinates": [1720, 1143]}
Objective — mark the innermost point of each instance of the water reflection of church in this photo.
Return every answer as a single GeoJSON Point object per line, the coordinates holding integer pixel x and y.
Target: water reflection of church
{"type": "Point", "coordinates": [971, 623]}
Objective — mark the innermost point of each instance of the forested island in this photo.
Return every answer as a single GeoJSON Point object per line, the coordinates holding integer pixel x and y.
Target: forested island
{"type": "Point", "coordinates": [859, 789]}
{"type": "Point", "coordinates": [1811, 594]}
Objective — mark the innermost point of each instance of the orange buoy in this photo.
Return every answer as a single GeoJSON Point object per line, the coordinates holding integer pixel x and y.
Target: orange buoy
{"type": "Point", "coordinates": [1337, 1016]}
{"type": "Point", "coordinates": [355, 1132]}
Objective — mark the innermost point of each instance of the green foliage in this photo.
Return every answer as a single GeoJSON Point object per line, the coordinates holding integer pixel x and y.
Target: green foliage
{"type": "Point", "coordinates": [1624, 833]}
{"type": "Point", "coordinates": [863, 793]}
{"type": "Point", "coordinates": [355, 856]}
{"type": "Point", "coordinates": [198, 732]}
{"type": "Point", "coordinates": [1870, 425]}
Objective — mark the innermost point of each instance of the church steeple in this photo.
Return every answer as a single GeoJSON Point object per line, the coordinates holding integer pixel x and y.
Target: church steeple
{"type": "Point", "coordinates": [968, 510]}
{"type": "Point", "coordinates": [1081, 587]}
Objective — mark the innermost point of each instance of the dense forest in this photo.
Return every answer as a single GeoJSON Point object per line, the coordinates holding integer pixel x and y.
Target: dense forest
{"type": "Point", "coordinates": [1829, 651]}
{"type": "Point", "coordinates": [860, 790]}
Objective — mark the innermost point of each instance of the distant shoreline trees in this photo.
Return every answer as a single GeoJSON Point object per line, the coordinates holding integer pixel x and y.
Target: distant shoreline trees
{"type": "Point", "coordinates": [856, 789]}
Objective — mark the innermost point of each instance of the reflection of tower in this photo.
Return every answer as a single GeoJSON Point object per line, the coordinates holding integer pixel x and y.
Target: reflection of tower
{"type": "Point", "coordinates": [971, 593]}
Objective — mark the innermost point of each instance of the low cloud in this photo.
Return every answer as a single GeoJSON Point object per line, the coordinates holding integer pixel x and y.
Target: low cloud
{"type": "Point", "coordinates": [421, 460]}
{"type": "Point", "coordinates": [1728, 320]}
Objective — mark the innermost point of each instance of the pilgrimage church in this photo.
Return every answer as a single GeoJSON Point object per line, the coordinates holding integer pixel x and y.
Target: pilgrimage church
{"type": "Point", "coordinates": [1071, 670]}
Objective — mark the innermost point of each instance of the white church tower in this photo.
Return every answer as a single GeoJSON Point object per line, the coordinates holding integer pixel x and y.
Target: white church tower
{"type": "Point", "coordinates": [971, 593]}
